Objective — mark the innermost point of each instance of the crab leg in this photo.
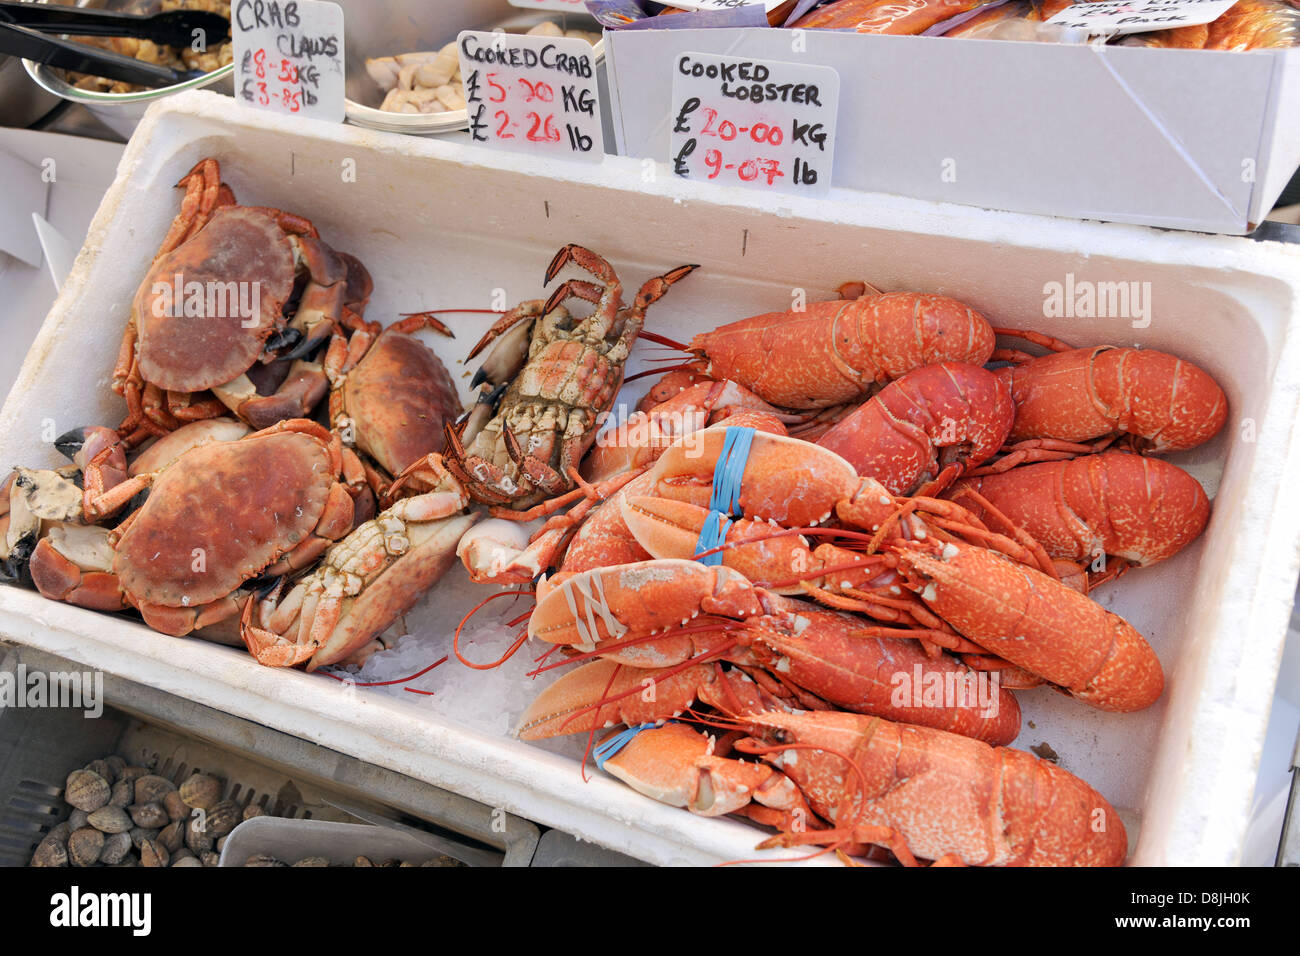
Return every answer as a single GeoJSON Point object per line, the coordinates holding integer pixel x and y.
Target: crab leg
{"type": "Point", "coordinates": [510, 354]}
{"type": "Point", "coordinates": [597, 326]}
{"type": "Point", "coordinates": [204, 192]}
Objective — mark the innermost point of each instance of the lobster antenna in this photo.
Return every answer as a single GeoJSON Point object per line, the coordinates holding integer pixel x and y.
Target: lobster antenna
{"type": "Point", "coordinates": [632, 642]}
{"type": "Point", "coordinates": [666, 673]}
{"type": "Point", "coordinates": [387, 683]}
{"type": "Point", "coordinates": [681, 367]}
{"type": "Point", "coordinates": [519, 642]}
{"type": "Point", "coordinates": [591, 736]}
{"type": "Point", "coordinates": [663, 340]}
{"type": "Point", "coordinates": [407, 315]}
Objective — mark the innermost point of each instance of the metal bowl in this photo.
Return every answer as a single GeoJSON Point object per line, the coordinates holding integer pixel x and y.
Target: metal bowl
{"type": "Point", "coordinates": [22, 103]}
{"type": "Point", "coordinates": [376, 28]}
{"type": "Point", "coordinates": [120, 112]}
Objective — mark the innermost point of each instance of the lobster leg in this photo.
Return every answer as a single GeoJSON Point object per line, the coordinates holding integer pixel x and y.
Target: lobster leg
{"type": "Point", "coordinates": [1046, 341]}
{"type": "Point", "coordinates": [1035, 450]}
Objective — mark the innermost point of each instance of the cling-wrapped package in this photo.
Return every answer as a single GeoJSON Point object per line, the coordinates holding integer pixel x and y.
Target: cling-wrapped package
{"type": "Point", "coordinates": [1247, 25]}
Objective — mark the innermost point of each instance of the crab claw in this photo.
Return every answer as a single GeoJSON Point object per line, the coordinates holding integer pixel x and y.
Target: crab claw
{"type": "Point", "coordinates": [387, 591]}
{"type": "Point", "coordinates": [507, 358]}
{"type": "Point", "coordinates": [99, 453]}
{"type": "Point", "coordinates": [70, 443]}
{"type": "Point", "coordinates": [73, 563]}
{"type": "Point", "coordinates": [492, 552]}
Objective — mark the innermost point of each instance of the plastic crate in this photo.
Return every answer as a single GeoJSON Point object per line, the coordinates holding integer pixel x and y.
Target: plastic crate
{"type": "Point", "coordinates": [289, 777]}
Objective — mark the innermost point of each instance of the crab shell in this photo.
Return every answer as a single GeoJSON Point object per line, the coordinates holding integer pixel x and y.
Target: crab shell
{"type": "Point", "coordinates": [399, 396]}
{"type": "Point", "coordinates": [222, 514]}
{"type": "Point", "coordinates": [241, 248]}
{"type": "Point", "coordinates": [171, 446]}
{"type": "Point", "coordinates": [393, 590]}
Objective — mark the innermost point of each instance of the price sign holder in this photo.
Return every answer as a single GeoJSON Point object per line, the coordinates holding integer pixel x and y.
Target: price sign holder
{"type": "Point", "coordinates": [532, 94]}
{"type": "Point", "coordinates": [289, 56]}
{"type": "Point", "coordinates": [765, 124]}
{"type": "Point", "coordinates": [1113, 17]}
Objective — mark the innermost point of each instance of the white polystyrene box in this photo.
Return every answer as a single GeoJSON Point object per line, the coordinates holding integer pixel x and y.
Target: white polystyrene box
{"type": "Point", "coordinates": [442, 225]}
{"type": "Point", "coordinates": [1185, 139]}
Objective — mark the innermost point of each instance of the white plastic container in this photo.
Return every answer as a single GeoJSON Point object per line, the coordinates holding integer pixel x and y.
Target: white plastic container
{"type": "Point", "coordinates": [340, 843]}
{"type": "Point", "coordinates": [441, 225]}
{"type": "Point", "coordinates": [1183, 139]}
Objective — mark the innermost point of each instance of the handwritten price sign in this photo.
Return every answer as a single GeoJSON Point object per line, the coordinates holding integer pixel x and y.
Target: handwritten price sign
{"type": "Point", "coordinates": [289, 56]}
{"type": "Point", "coordinates": [532, 94]}
{"type": "Point", "coordinates": [757, 123]}
{"type": "Point", "coordinates": [1139, 16]}
{"type": "Point", "coordinates": [769, 5]}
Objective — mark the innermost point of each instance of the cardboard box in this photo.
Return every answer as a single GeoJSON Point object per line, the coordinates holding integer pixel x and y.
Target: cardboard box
{"type": "Point", "coordinates": [1183, 139]}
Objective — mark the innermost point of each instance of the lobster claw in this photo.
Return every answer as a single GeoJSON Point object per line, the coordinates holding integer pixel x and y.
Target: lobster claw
{"type": "Point", "coordinates": [758, 550]}
{"type": "Point", "coordinates": [674, 764]}
{"type": "Point", "coordinates": [776, 464]}
{"type": "Point", "coordinates": [603, 693]}
{"type": "Point", "coordinates": [668, 762]}
{"type": "Point", "coordinates": [638, 600]}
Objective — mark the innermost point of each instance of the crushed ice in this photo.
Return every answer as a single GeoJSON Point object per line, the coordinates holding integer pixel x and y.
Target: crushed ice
{"type": "Point", "coordinates": [487, 701]}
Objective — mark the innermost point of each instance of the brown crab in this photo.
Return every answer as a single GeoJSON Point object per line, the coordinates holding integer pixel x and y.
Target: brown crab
{"type": "Point", "coordinates": [529, 451]}
{"type": "Point", "coordinates": [213, 306]}
{"type": "Point", "coordinates": [366, 581]}
{"type": "Point", "coordinates": [217, 517]}
{"type": "Point", "coordinates": [390, 397]}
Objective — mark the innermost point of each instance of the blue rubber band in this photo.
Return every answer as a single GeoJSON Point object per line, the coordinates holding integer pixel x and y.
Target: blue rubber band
{"type": "Point", "coordinates": [616, 743]}
{"type": "Point", "coordinates": [729, 472]}
{"type": "Point", "coordinates": [713, 534]}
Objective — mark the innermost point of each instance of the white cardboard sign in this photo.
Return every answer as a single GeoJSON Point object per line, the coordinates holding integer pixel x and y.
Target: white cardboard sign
{"type": "Point", "coordinates": [765, 124]}
{"type": "Point", "coordinates": [532, 94]}
{"type": "Point", "coordinates": [768, 5]}
{"type": "Point", "coordinates": [565, 6]}
{"type": "Point", "coordinates": [1111, 17]}
{"type": "Point", "coordinates": [289, 56]}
